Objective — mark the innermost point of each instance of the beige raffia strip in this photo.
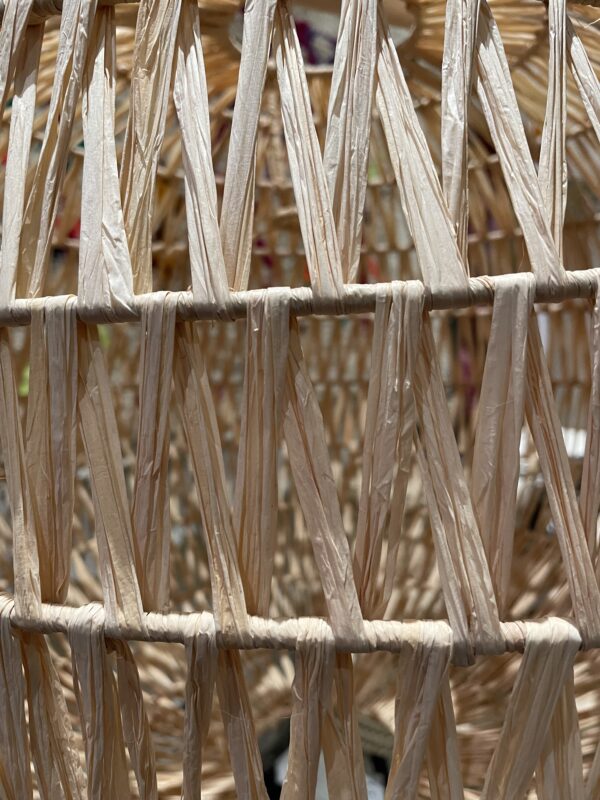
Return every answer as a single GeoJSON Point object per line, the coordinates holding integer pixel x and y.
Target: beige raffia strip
{"type": "Point", "coordinates": [100, 436]}
{"type": "Point", "coordinates": [553, 181]}
{"type": "Point", "coordinates": [96, 692]}
{"type": "Point", "coordinates": [136, 729]}
{"type": "Point", "coordinates": [589, 498]}
{"type": "Point", "coordinates": [105, 278]}
{"type": "Point", "coordinates": [553, 162]}
{"type": "Point", "coordinates": [346, 153]}
{"type": "Point", "coordinates": [236, 711]}
{"type": "Point", "coordinates": [496, 460]}
{"type": "Point", "coordinates": [201, 655]}
{"type": "Point", "coordinates": [209, 279]}
{"type": "Point", "coordinates": [256, 502]}
{"type": "Point", "coordinates": [546, 430]}
{"type": "Point", "coordinates": [559, 772]}
{"type": "Point", "coordinates": [464, 573]}
{"type": "Point", "coordinates": [585, 77]}
{"type": "Point", "coordinates": [550, 650]}
{"type": "Point", "coordinates": [499, 104]}
{"type": "Point", "coordinates": [422, 667]}
{"type": "Point", "coordinates": [15, 764]}
{"type": "Point", "coordinates": [443, 760]}
{"type": "Point", "coordinates": [237, 214]}
{"type": "Point", "coordinates": [42, 203]}
{"type": "Point", "coordinates": [50, 438]}
{"type": "Point", "coordinates": [150, 515]}
{"type": "Point", "coordinates": [342, 746]}
{"type": "Point", "coordinates": [306, 165]}
{"type": "Point", "coordinates": [457, 73]}
{"type": "Point", "coordinates": [311, 696]}
{"type": "Point", "coordinates": [155, 35]}
{"type": "Point", "coordinates": [54, 751]}
{"type": "Point", "coordinates": [25, 551]}
{"type": "Point", "coordinates": [592, 786]}
{"type": "Point", "coordinates": [12, 34]}
{"type": "Point", "coordinates": [51, 452]}
{"type": "Point", "coordinates": [309, 460]}
{"type": "Point", "coordinates": [389, 434]}
{"type": "Point", "coordinates": [199, 419]}
{"type": "Point", "coordinates": [19, 58]}
{"type": "Point", "coordinates": [422, 199]}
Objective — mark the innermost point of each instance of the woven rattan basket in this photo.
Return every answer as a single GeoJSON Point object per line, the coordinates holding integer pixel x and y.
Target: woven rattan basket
{"type": "Point", "coordinates": [300, 399]}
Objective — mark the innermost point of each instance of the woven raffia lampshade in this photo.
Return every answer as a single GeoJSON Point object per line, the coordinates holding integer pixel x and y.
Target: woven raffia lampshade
{"type": "Point", "coordinates": [300, 397]}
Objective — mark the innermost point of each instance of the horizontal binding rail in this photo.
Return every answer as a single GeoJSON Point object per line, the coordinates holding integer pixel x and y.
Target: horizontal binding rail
{"type": "Point", "coordinates": [263, 634]}
{"type": "Point", "coordinates": [356, 299]}
{"type": "Point", "coordinates": [44, 9]}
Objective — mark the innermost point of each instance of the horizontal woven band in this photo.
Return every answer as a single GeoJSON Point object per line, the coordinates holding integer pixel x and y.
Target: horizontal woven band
{"type": "Point", "coordinates": [356, 299]}
{"type": "Point", "coordinates": [270, 634]}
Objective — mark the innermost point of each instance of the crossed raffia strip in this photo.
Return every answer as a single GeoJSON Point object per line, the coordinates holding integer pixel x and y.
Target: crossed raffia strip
{"type": "Point", "coordinates": [472, 529]}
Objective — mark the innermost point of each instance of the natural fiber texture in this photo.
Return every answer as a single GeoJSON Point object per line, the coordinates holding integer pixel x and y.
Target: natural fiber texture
{"type": "Point", "coordinates": [390, 466]}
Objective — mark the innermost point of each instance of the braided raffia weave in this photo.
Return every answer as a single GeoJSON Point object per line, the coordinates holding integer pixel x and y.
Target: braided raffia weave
{"type": "Point", "coordinates": [365, 506]}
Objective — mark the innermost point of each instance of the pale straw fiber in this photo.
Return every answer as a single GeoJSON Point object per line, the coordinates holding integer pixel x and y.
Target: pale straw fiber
{"type": "Point", "coordinates": [299, 399]}
{"type": "Point", "coordinates": [342, 747]}
{"type": "Point", "coordinates": [156, 33]}
{"type": "Point", "coordinates": [312, 694]}
{"type": "Point", "coordinates": [15, 764]}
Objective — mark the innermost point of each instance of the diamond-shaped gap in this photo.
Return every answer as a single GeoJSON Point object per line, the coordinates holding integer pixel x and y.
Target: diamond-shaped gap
{"type": "Point", "coordinates": [417, 592]}
{"type": "Point", "coordinates": [269, 678]}
{"type": "Point", "coordinates": [278, 254]}
{"type": "Point", "coordinates": [537, 561]}
{"type": "Point", "coordinates": [495, 238]}
{"type": "Point", "coordinates": [538, 582]}
{"type": "Point", "coordinates": [162, 671]}
{"type": "Point", "coordinates": [19, 347]}
{"type": "Point", "coordinates": [586, 669]}
{"type": "Point", "coordinates": [461, 338]}
{"type": "Point", "coordinates": [222, 348]}
{"type": "Point", "coordinates": [190, 577]}
{"type": "Point", "coordinates": [84, 575]}
{"type": "Point", "coordinates": [336, 352]}
{"type": "Point", "coordinates": [120, 347]}
{"type": "Point", "coordinates": [170, 256]}
{"type": "Point", "coordinates": [481, 694]}
{"type": "Point", "coordinates": [457, 342]}
{"type": "Point", "coordinates": [60, 655]}
{"type": "Point", "coordinates": [496, 233]}
{"type": "Point", "coordinates": [571, 379]}
{"type": "Point", "coordinates": [278, 250]}
{"type": "Point", "coordinates": [190, 585]}
{"type": "Point", "coordinates": [295, 579]}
